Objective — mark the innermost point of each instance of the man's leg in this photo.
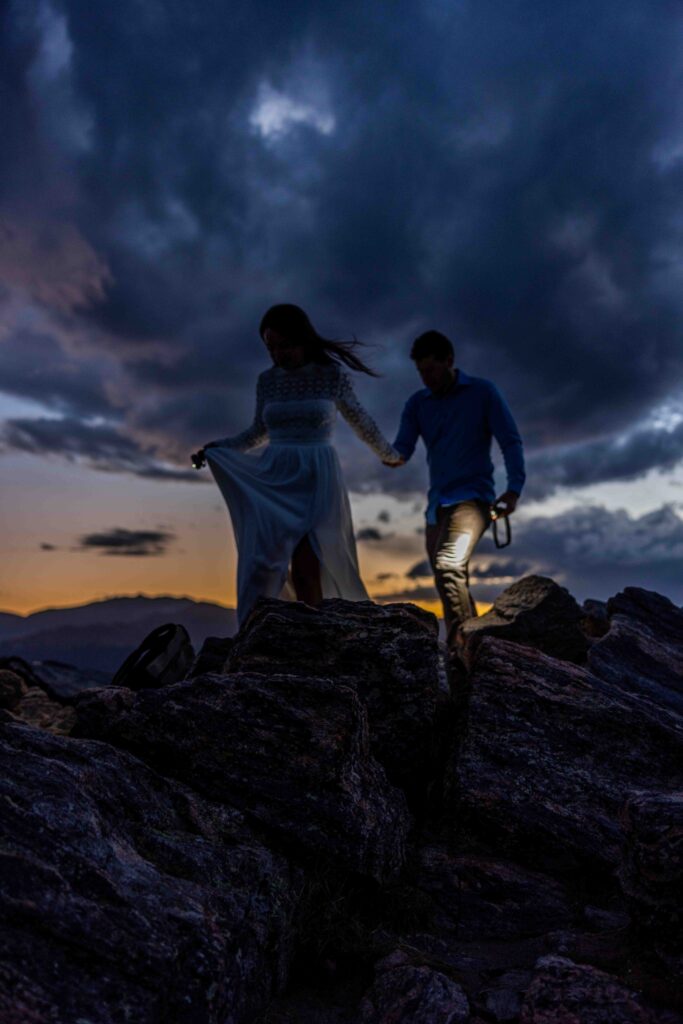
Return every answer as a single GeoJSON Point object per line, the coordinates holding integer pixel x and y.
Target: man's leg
{"type": "Point", "coordinates": [450, 546]}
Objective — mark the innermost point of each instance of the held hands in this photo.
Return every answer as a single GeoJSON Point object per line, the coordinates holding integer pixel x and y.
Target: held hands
{"type": "Point", "coordinates": [395, 462]}
{"type": "Point", "coordinates": [198, 459]}
{"type": "Point", "coordinates": [505, 505]}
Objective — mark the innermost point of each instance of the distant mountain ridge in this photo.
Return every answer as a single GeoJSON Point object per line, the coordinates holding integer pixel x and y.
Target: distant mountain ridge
{"type": "Point", "coordinates": [99, 635]}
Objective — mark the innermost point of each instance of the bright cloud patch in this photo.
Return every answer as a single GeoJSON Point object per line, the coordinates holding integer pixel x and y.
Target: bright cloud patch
{"type": "Point", "coordinates": [275, 114]}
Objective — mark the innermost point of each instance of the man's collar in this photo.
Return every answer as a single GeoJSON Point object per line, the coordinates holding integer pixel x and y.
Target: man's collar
{"type": "Point", "coordinates": [461, 380]}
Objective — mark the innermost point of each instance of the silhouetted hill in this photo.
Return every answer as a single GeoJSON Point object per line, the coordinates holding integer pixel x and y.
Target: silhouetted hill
{"type": "Point", "coordinates": [101, 634]}
{"type": "Point", "coordinates": [10, 624]}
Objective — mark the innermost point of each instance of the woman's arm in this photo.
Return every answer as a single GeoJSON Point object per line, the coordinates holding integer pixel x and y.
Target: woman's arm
{"type": "Point", "coordinates": [362, 423]}
{"type": "Point", "coordinates": [253, 436]}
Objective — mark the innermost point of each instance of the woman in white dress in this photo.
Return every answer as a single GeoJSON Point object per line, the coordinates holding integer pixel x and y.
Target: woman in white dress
{"type": "Point", "coordinates": [288, 503]}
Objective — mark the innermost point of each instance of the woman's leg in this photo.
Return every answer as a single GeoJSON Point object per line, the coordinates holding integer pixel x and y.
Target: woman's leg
{"type": "Point", "coordinates": [306, 573]}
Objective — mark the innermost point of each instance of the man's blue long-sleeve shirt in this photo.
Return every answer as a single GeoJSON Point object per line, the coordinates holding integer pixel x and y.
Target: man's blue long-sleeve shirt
{"type": "Point", "coordinates": [457, 428]}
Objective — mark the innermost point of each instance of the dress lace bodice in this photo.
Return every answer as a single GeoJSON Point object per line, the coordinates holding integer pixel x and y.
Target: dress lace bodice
{"type": "Point", "coordinates": [299, 407]}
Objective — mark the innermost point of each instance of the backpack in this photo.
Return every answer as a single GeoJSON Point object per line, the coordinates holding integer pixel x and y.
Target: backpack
{"type": "Point", "coordinates": [163, 657]}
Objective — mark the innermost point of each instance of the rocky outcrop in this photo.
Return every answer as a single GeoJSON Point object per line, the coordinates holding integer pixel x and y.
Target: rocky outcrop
{"type": "Point", "coordinates": [291, 752]}
{"type": "Point", "coordinates": [479, 897]}
{"type": "Point", "coordinates": [642, 652]}
{"type": "Point", "coordinates": [126, 897]}
{"type": "Point", "coordinates": [387, 654]}
{"type": "Point", "coordinates": [238, 846]}
{"type": "Point", "coordinates": [212, 657]}
{"type": "Point", "coordinates": [61, 682]}
{"type": "Point", "coordinates": [12, 689]}
{"type": "Point", "coordinates": [535, 612]}
{"type": "Point", "coordinates": [31, 704]}
{"type": "Point", "coordinates": [651, 873]}
{"type": "Point", "coordinates": [564, 991]}
{"type": "Point", "coordinates": [404, 994]}
{"type": "Point", "coordinates": [550, 755]}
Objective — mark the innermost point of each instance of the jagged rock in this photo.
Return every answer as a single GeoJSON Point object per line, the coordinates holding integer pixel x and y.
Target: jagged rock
{"type": "Point", "coordinates": [291, 752]}
{"type": "Point", "coordinates": [550, 755]}
{"type": "Point", "coordinates": [389, 654]}
{"type": "Point", "coordinates": [164, 657]}
{"type": "Point", "coordinates": [22, 669]}
{"type": "Point", "coordinates": [126, 897]}
{"type": "Point", "coordinates": [479, 897]}
{"type": "Point", "coordinates": [60, 681]}
{"type": "Point", "coordinates": [563, 991]}
{"type": "Point", "coordinates": [651, 874]}
{"type": "Point", "coordinates": [534, 611]}
{"type": "Point", "coordinates": [642, 653]}
{"type": "Point", "coordinates": [502, 999]}
{"type": "Point", "coordinates": [12, 689]}
{"type": "Point", "coordinates": [213, 656]}
{"type": "Point", "coordinates": [404, 994]}
{"type": "Point", "coordinates": [37, 709]}
{"type": "Point", "coordinates": [595, 621]}
{"type": "Point", "coordinates": [600, 919]}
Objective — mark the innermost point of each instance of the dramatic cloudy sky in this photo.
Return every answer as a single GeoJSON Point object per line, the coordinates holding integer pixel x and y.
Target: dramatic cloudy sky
{"type": "Point", "coordinates": [508, 171]}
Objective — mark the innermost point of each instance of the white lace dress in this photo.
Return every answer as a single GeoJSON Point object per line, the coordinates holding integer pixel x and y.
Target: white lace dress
{"type": "Point", "coordinates": [293, 487]}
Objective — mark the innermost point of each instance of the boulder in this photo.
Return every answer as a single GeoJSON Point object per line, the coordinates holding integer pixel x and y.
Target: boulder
{"type": "Point", "coordinates": [534, 611]}
{"type": "Point", "coordinates": [501, 999]}
{"type": "Point", "coordinates": [124, 896]}
{"type": "Point", "coordinates": [12, 689]}
{"type": "Point", "coordinates": [164, 657]}
{"type": "Point", "coordinates": [30, 703]}
{"type": "Point", "coordinates": [478, 897]}
{"type": "Point", "coordinates": [388, 654]}
{"type": "Point", "coordinates": [642, 652]}
{"type": "Point", "coordinates": [405, 994]}
{"type": "Point", "coordinates": [21, 668]}
{"type": "Point", "coordinates": [595, 622]}
{"type": "Point", "coordinates": [38, 709]}
{"type": "Point", "coordinates": [291, 752]}
{"type": "Point", "coordinates": [562, 991]}
{"type": "Point", "coordinates": [212, 657]}
{"type": "Point", "coordinates": [550, 755]}
{"type": "Point", "coordinates": [651, 873]}
{"type": "Point", "coordinates": [60, 681]}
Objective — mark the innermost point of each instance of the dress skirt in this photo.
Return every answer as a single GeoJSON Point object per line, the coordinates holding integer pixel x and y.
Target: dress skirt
{"type": "Point", "coordinates": [276, 497]}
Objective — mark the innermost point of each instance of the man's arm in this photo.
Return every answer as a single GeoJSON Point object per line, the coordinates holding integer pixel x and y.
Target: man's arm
{"type": "Point", "coordinates": [504, 429]}
{"type": "Point", "coordinates": [408, 431]}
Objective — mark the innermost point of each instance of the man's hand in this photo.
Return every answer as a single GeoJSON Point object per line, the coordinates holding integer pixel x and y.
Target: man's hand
{"type": "Point", "coordinates": [506, 504]}
{"type": "Point", "coordinates": [394, 464]}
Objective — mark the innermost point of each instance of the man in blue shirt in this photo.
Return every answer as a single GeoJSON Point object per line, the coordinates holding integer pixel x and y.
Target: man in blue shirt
{"type": "Point", "coordinates": [457, 416]}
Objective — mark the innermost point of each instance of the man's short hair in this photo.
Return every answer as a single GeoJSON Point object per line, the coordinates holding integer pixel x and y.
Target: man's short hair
{"type": "Point", "coordinates": [431, 343]}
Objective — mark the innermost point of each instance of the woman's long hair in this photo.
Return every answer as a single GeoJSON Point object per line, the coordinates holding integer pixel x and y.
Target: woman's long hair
{"type": "Point", "coordinates": [293, 324]}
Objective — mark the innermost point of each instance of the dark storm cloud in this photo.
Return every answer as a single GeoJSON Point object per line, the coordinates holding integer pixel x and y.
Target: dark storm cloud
{"type": "Point", "coordinates": [624, 458]}
{"type": "Point", "coordinates": [130, 543]}
{"type": "Point", "coordinates": [593, 551]}
{"type": "Point", "coordinates": [102, 447]}
{"type": "Point", "coordinates": [34, 366]}
{"type": "Point", "coordinates": [371, 533]}
{"type": "Point", "coordinates": [510, 174]}
{"type": "Point", "coordinates": [596, 552]}
{"type": "Point", "coordinates": [502, 569]}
